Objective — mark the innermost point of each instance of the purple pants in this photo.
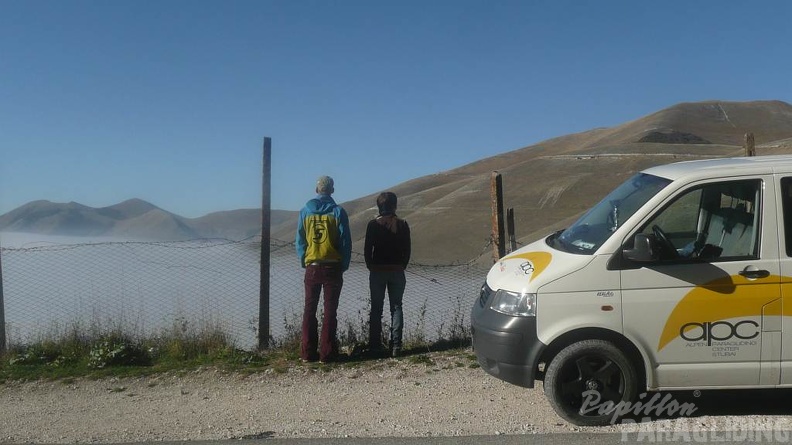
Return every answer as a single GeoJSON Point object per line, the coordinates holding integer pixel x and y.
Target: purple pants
{"type": "Point", "coordinates": [328, 278]}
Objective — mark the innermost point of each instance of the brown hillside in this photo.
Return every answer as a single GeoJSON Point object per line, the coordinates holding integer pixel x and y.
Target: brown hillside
{"type": "Point", "coordinates": [715, 121]}
{"type": "Point", "coordinates": [551, 183]}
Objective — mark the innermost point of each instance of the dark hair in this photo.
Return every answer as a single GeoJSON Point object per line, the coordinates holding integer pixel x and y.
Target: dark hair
{"type": "Point", "coordinates": [386, 202]}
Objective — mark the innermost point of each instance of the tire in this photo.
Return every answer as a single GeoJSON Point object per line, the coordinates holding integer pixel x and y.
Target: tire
{"type": "Point", "coordinates": [590, 365]}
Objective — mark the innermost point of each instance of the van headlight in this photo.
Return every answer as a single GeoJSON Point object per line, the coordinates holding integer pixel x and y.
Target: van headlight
{"type": "Point", "coordinates": [520, 304]}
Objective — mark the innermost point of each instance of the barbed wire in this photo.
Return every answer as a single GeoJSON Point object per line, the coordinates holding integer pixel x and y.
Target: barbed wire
{"type": "Point", "coordinates": [180, 244]}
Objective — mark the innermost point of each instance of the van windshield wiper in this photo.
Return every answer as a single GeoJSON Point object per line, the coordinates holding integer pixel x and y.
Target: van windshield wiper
{"type": "Point", "coordinates": [564, 245]}
{"type": "Point", "coordinates": [556, 241]}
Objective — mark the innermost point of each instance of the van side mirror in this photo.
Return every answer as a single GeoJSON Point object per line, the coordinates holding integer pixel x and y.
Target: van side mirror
{"type": "Point", "coordinates": [642, 251]}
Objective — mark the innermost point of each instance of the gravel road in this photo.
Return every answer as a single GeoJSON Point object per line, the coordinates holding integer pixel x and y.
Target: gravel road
{"type": "Point", "coordinates": [439, 394]}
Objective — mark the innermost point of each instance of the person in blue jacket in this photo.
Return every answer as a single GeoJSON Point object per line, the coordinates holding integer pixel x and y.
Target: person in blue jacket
{"type": "Point", "coordinates": [324, 248]}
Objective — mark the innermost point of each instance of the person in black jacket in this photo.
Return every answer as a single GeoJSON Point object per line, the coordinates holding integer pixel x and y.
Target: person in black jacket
{"type": "Point", "coordinates": [387, 252]}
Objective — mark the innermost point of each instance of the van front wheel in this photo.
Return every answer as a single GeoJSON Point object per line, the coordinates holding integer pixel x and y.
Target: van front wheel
{"type": "Point", "coordinates": [588, 381]}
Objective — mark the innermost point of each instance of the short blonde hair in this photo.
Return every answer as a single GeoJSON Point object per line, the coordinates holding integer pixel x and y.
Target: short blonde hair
{"type": "Point", "coordinates": [324, 185]}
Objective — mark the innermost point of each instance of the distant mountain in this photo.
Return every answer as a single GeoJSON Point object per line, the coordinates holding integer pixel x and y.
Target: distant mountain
{"type": "Point", "coordinates": [236, 224]}
{"type": "Point", "coordinates": [132, 219]}
{"type": "Point", "coordinates": [55, 218]}
{"type": "Point", "coordinates": [548, 185]}
{"type": "Point", "coordinates": [130, 208]}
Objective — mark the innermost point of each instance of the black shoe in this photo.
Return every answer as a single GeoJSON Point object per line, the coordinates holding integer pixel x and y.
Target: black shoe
{"type": "Point", "coordinates": [377, 352]}
{"type": "Point", "coordinates": [333, 358]}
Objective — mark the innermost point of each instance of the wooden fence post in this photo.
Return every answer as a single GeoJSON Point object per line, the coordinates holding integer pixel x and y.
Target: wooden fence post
{"type": "Point", "coordinates": [750, 145]}
{"type": "Point", "coordinates": [498, 241]}
{"type": "Point", "coordinates": [264, 281]}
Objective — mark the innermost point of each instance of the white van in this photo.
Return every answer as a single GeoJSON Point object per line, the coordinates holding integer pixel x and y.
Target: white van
{"type": "Point", "coordinates": [680, 278]}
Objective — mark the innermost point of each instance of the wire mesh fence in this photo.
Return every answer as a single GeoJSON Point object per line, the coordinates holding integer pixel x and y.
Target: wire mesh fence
{"type": "Point", "coordinates": [144, 289]}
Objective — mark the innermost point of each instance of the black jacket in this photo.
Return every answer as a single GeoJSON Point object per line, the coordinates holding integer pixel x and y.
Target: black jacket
{"type": "Point", "coordinates": [387, 245]}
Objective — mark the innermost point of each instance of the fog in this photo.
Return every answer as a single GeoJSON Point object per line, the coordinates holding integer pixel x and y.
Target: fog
{"type": "Point", "coordinates": [54, 284]}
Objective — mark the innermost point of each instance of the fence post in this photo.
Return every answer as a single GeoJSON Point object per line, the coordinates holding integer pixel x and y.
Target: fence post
{"type": "Point", "coordinates": [498, 241]}
{"type": "Point", "coordinates": [264, 281]}
{"type": "Point", "coordinates": [510, 229]}
{"type": "Point", "coordinates": [750, 145]}
{"type": "Point", "coordinates": [2, 309]}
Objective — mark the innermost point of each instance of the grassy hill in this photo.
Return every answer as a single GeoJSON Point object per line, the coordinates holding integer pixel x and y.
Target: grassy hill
{"type": "Point", "coordinates": [551, 183]}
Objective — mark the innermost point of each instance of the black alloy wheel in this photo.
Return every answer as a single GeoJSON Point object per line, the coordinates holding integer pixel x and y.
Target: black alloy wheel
{"type": "Point", "coordinates": [588, 380]}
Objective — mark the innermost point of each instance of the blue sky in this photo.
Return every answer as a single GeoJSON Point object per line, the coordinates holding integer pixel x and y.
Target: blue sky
{"type": "Point", "coordinates": [169, 101]}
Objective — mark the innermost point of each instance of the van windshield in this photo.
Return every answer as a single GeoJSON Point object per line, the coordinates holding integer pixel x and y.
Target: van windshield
{"type": "Point", "coordinates": [588, 233]}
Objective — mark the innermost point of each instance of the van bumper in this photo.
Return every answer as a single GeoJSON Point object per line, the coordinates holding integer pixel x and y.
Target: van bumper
{"type": "Point", "coordinates": [506, 347]}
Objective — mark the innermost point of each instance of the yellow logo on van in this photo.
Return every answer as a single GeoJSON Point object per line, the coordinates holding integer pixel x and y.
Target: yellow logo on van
{"type": "Point", "coordinates": [721, 299]}
{"type": "Point", "coordinates": [538, 261]}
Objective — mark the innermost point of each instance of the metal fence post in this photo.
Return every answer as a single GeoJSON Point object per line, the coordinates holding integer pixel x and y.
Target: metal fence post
{"type": "Point", "coordinates": [264, 282]}
{"type": "Point", "coordinates": [2, 309]}
{"type": "Point", "coordinates": [510, 229]}
{"type": "Point", "coordinates": [498, 240]}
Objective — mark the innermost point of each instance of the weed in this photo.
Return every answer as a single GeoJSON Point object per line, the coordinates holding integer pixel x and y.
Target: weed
{"type": "Point", "coordinates": [290, 340]}
{"type": "Point", "coordinates": [416, 338]}
{"type": "Point", "coordinates": [421, 359]}
{"type": "Point", "coordinates": [115, 350]}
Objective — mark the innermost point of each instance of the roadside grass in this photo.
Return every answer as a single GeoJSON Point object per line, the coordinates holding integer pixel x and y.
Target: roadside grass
{"type": "Point", "coordinates": [99, 353]}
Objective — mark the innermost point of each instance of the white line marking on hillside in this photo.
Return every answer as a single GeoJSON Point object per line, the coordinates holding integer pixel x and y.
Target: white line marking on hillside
{"type": "Point", "coordinates": [552, 196]}
{"type": "Point", "coordinates": [726, 116]}
{"type": "Point", "coordinates": [629, 155]}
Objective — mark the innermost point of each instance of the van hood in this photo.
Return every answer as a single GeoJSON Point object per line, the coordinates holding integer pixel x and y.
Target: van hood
{"type": "Point", "coordinates": [531, 267]}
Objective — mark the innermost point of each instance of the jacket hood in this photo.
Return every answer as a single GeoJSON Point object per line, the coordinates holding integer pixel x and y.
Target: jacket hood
{"type": "Point", "coordinates": [389, 221]}
{"type": "Point", "coordinates": [321, 205]}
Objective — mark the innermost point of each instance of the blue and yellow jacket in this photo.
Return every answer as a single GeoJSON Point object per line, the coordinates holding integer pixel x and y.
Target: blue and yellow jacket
{"type": "Point", "coordinates": [323, 233]}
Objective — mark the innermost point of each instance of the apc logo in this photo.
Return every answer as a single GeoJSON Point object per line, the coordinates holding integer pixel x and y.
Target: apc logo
{"type": "Point", "coordinates": [710, 331]}
{"type": "Point", "coordinates": [527, 267]}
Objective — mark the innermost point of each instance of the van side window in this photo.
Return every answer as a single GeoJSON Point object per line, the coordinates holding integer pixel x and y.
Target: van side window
{"type": "Point", "coordinates": [712, 222]}
{"type": "Point", "coordinates": [786, 202]}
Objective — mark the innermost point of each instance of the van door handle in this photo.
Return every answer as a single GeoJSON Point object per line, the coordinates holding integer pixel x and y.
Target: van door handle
{"type": "Point", "coordinates": [752, 273]}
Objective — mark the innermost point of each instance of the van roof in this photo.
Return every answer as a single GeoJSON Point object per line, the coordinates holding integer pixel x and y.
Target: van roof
{"type": "Point", "coordinates": [723, 167]}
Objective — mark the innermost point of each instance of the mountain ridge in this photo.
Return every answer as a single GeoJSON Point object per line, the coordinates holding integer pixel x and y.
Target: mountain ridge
{"type": "Point", "coordinates": [548, 184]}
{"type": "Point", "coordinates": [132, 219]}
